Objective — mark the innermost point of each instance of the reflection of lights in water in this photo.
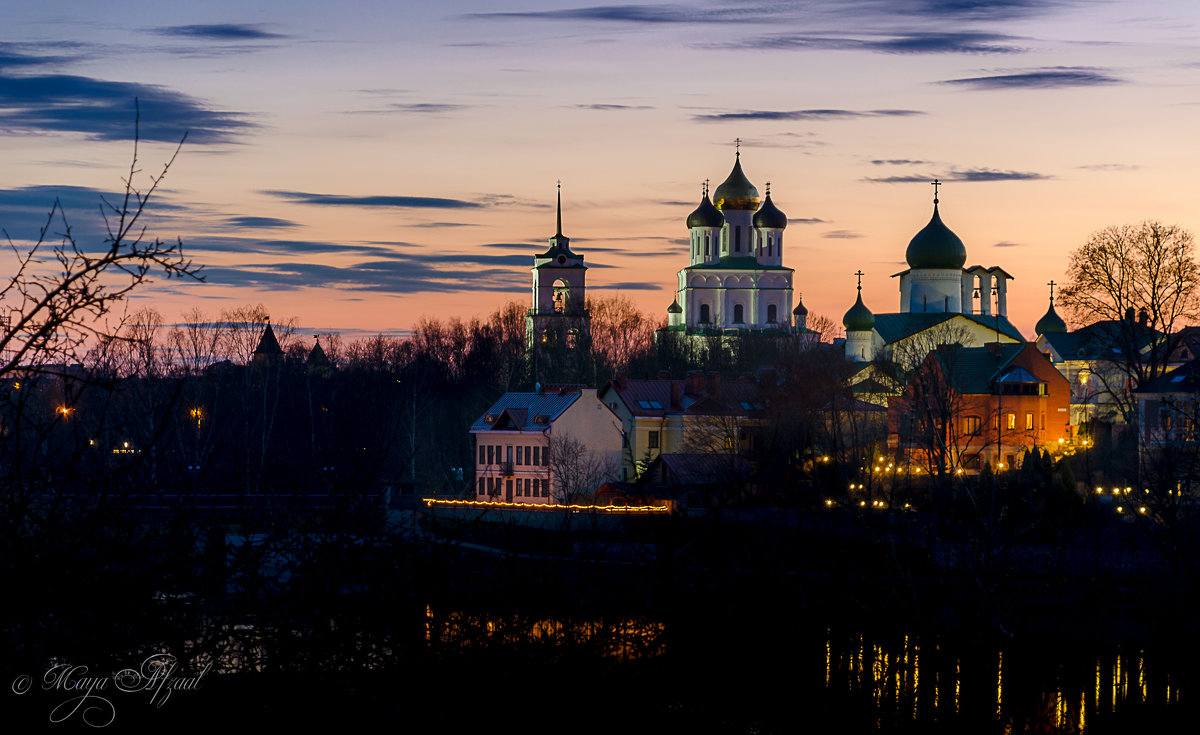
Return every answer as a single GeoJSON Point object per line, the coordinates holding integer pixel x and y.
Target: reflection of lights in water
{"type": "Point", "coordinates": [999, 681]}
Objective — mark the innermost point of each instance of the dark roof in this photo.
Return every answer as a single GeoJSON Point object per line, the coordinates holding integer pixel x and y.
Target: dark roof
{"type": "Point", "coordinates": [706, 215]}
{"type": "Point", "coordinates": [1099, 341]}
{"type": "Point", "coordinates": [936, 246]}
{"type": "Point", "coordinates": [770, 216]}
{"type": "Point", "coordinates": [892, 327]}
{"type": "Point", "coordinates": [700, 469]}
{"type": "Point", "coordinates": [522, 411]}
{"type": "Point", "coordinates": [267, 344]}
{"type": "Point", "coordinates": [1183, 379]}
{"type": "Point", "coordinates": [653, 397]}
{"type": "Point", "coordinates": [972, 370]}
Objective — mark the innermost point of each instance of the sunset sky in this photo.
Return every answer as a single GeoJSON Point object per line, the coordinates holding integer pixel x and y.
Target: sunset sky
{"type": "Point", "coordinates": [359, 165]}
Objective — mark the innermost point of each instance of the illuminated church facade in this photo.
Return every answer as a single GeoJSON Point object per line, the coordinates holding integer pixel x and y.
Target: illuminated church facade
{"type": "Point", "coordinates": [735, 279]}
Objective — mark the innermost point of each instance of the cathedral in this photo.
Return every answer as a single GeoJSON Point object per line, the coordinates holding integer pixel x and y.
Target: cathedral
{"type": "Point", "coordinates": [940, 299]}
{"type": "Point", "coordinates": [736, 279]}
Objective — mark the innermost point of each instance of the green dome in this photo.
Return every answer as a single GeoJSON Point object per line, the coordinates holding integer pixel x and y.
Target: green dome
{"type": "Point", "coordinates": [675, 308]}
{"type": "Point", "coordinates": [1052, 323]}
{"type": "Point", "coordinates": [769, 217]}
{"type": "Point", "coordinates": [859, 318]}
{"type": "Point", "coordinates": [706, 215]}
{"type": "Point", "coordinates": [936, 246]}
{"type": "Point", "coordinates": [736, 192]}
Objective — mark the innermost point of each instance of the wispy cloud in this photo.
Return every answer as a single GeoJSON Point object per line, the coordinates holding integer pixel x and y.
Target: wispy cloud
{"type": "Point", "coordinates": [816, 114]}
{"type": "Point", "coordinates": [221, 32]}
{"type": "Point", "coordinates": [105, 110]}
{"type": "Point", "coordinates": [971, 175]}
{"type": "Point", "coordinates": [1110, 167]}
{"type": "Point", "coordinates": [414, 108]}
{"type": "Point", "coordinates": [841, 235]}
{"type": "Point", "coordinates": [1008, 245]}
{"type": "Point", "coordinates": [346, 200]}
{"type": "Point", "coordinates": [916, 42]}
{"type": "Point", "coordinates": [612, 107]}
{"type": "Point", "coordinates": [897, 162]}
{"type": "Point", "coordinates": [805, 221]}
{"type": "Point", "coordinates": [639, 14]}
{"type": "Point", "coordinates": [1052, 77]}
{"type": "Point", "coordinates": [248, 221]}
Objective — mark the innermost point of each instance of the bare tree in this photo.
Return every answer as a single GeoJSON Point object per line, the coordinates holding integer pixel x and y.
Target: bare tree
{"type": "Point", "coordinates": [61, 291]}
{"type": "Point", "coordinates": [621, 333]}
{"type": "Point", "coordinates": [576, 471]}
{"type": "Point", "coordinates": [1143, 279]}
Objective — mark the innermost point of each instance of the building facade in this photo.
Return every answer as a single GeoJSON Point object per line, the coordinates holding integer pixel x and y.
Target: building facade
{"type": "Point", "coordinates": [735, 279]}
{"type": "Point", "coordinates": [523, 441]}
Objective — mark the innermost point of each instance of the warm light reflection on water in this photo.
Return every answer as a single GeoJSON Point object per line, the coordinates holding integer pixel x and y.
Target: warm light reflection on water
{"type": "Point", "coordinates": [623, 639]}
{"type": "Point", "coordinates": [1022, 690]}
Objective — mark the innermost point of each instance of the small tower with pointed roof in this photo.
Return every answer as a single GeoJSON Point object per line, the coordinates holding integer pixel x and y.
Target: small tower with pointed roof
{"type": "Point", "coordinates": [268, 353]}
{"type": "Point", "coordinates": [1051, 323]}
{"type": "Point", "coordinates": [558, 319]}
{"type": "Point", "coordinates": [860, 329]}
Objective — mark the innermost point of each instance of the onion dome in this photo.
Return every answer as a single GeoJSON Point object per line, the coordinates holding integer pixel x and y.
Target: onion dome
{"type": "Point", "coordinates": [936, 246]}
{"type": "Point", "coordinates": [802, 310]}
{"type": "Point", "coordinates": [675, 308]}
{"type": "Point", "coordinates": [859, 318]}
{"type": "Point", "coordinates": [769, 216]}
{"type": "Point", "coordinates": [736, 191]}
{"type": "Point", "coordinates": [706, 215]}
{"type": "Point", "coordinates": [1051, 323]}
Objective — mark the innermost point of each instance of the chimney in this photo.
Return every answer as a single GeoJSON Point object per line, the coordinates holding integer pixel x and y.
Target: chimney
{"type": "Point", "coordinates": [694, 383]}
{"type": "Point", "coordinates": [712, 383]}
{"type": "Point", "coordinates": [1129, 315]}
{"type": "Point", "coordinates": [622, 380]}
{"type": "Point", "coordinates": [675, 385]}
{"type": "Point", "coordinates": [1143, 317]}
{"type": "Point", "coordinates": [664, 374]}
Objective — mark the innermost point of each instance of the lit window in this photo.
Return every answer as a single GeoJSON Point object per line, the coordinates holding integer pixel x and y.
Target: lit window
{"type": "Point", "coordinates": [1012, 421]}
{"type": "Point", "coordinates": [1029, 421]}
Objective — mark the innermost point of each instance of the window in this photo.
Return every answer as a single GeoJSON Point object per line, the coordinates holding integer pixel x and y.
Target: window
{"type": "Point", "coordinates": [650, 404]}
{"type": "Point", "coordinates": [704, 315]}
{"type": "Point", "coordinates": [490, 454]}
{"type": "Point", "coordinates": [482, 454]}
{"type": "Point", "coordinates": [520, 455]}
{"type": "Point", "coordinates": [1029, 421]}
{"type": "Point", "coordinates": [1012, 421]}
{"type": "Point", "coordinates": [772, 311]}
{"type": "Point", "coordinates": [528, 484]}
{"type": "Point", "coordinates": [653, 440]}
{"type": "Point", "coordinates": [510, 454]}
{"type": "Point", "coordinates": [537, 460]}
{"type": "Point", "coordinates": [545, 488]}
{"type": "Point", "coordinates": [1043, 420]}
{"type": "Point", "coordinates": [738, 313]}
{"type": "Point", "coordinates": [737, 239]}
{"type": "Point", "coordinates": [729, 442]}
{"type": "Point", "coordinates": [482, 487]}
{"type": "Point", "coordinates": [491, 485]}
{"type": "Point", "coordinates": [971, 425]}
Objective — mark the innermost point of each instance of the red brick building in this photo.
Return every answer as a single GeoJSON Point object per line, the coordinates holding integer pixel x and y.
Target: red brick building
{"type": "Point", "coordinates": [964, 406]}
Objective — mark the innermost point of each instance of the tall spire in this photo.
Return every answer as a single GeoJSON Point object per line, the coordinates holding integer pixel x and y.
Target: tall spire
{"type": "Point", "coordinates": [558, 228]}
{"type": "Point", "coordinates": [935, 183]}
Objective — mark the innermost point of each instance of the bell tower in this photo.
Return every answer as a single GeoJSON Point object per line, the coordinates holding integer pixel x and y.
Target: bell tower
{"type": "Point", "coordinates": [558, 326]}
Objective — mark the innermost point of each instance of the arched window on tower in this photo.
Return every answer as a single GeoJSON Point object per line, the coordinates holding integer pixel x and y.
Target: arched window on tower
{"type": "Point", "coordinates": [738, 314]}
{"type": "Point", "coordinates": [572, 338]}
{"type": "Point", "coordinates": [705, 318]}
{"type": "Point", "coordinates": [772, 312]}
{"type": "Point", "coordinates": [737, 239]}
{"type": "Point", "coordinates": [562, 297]}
